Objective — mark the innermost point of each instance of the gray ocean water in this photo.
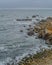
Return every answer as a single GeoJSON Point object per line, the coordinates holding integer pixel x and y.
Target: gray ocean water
{"type": "Point", "coordinates": [13, 43]}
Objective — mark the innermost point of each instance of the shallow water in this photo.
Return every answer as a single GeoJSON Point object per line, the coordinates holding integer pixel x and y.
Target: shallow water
{"type": "Point", "coordinates": [16, 44]}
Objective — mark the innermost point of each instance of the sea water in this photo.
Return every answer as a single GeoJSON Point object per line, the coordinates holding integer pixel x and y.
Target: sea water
{"type": "Point", "coordinates": [13, 43]}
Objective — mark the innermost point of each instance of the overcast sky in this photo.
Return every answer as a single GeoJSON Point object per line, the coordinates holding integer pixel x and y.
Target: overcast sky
{"type": "Point", "coordinates": [25, 3]}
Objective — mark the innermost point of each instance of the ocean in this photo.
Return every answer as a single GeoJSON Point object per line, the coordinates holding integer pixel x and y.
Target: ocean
{"type": "Point", "coordinates": [14, 45]}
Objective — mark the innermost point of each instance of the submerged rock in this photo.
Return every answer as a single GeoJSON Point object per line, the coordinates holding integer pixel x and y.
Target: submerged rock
{"type": "Point", "coordinates": [8, 64]}
{"type": "Point", "coordinates": [30, 33]}
{"type": "Point", "coordinates": [33, 16]}
{"type": "Point", "coordinates": [21, 30]}
{"type": "Point", "coordinates": [29, 25]}
{"type": "Point", "coordinates": [27, 19]}
{"type": "Point", "coordinates": [24, 26]}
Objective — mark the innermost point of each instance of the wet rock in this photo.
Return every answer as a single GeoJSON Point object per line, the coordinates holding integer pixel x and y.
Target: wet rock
{"type": "Point", "coordinates": [37, 29]}
{"type": "Point", "coordinates": [42, 20]}
{"type": "Point", "coordinates": [44, 30]}
{"type": "Point", "coordinates": [8, 64]}
{"type": "Point", "coordinates": [21, 30]}
{"type": "Point", "coordinates": [37, 19]}
{"type": "Point", "coordinates": [41, 34]}
{"type": "Point", "coordinates": [12, 63]}
{"type": "Point", "coordinates": [30, 29]}
{"type": "Point", "coordinates": [30, 33]}
{"type": "Point", "coordinates": [49, 18]}
{"type": "Point", "coordinates": [24, 26]}
{"type": "Point", "coordinates": [26, 36]}
{"type": "Point", "coordinates": [34, 16]}
{"type": "Point", "coordinates": [29, 25]}
{"type": "Point", "coordinates": [27, 19]}
{"type": "Point", "coordinates": [49, 40]}
{"type": "Point", "coordinates": [37, 15]}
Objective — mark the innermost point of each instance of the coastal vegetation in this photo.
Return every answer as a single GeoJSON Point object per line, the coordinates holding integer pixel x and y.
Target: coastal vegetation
{"type": "Point", "coordinates": [41, 58]}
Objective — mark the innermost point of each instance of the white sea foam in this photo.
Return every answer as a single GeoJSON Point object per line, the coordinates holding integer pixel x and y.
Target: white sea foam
{"type": "Point", "coordinates": [23, 46]}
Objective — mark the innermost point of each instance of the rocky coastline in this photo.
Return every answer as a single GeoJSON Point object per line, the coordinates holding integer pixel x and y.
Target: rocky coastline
{"type": "Point", "coordinates": [43, 30]}
{"type": "Point", "coordinates": [41, 58]}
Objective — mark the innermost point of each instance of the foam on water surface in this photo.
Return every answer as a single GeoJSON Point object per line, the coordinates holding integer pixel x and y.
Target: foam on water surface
{"type": "Point", "coordinates": [14, 45]}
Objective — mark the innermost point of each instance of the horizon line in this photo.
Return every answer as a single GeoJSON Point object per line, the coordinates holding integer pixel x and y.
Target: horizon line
{"type": "Point", "coordinates": [25, 8]}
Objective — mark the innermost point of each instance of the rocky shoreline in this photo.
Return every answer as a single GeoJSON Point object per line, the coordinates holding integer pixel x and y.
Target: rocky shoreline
{"type": "Point", "coordinates": [43, 30]}
{"type": "Point", "coordinates": [41, 58]}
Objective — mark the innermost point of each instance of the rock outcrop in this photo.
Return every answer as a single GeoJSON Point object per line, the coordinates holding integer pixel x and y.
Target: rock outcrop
{"type": "Point", "coordinates": [44, 30]}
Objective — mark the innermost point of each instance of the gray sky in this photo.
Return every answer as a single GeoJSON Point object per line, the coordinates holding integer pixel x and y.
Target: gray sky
{"type": "Point", "coordinates": [25, 3]}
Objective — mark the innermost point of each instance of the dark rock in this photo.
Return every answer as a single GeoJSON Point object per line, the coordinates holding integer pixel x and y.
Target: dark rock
{"type": "Point", "coordinates": [30, 29]}
{"type": "Point", "coordinates": [8, 64]}
{"type": "Point", "coordinates": [46, 36]}
{"type": "Point", "coordinates": [33, 16]}
{"type": "Point", "coordinates": [24, 26]}
{"type": "Point", "coordinates": [42, 20]}
{"type": "Point", "coordinates": [49, 18]}
{"type": "Point", "coordinates": [27, 17]}
{"type": "Point", "coordinates": [26, 36]}
{"type": "Point", "coordinates": [37, 20]}
{"type": "Point", "coordinates": [12, 63]}
{"type": "Point", "coordinates": [49, 41]}
{"type": "Point", "coordinates": [30, 33]}
{"type": "Point", "coordinates": [29, 25]}
{"type": "Point", "coordinates": [21, 30]}
{"type": "Point", "coordinates": [24, 19]}
{"type": "Point", "coordinates": [37, 15]}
